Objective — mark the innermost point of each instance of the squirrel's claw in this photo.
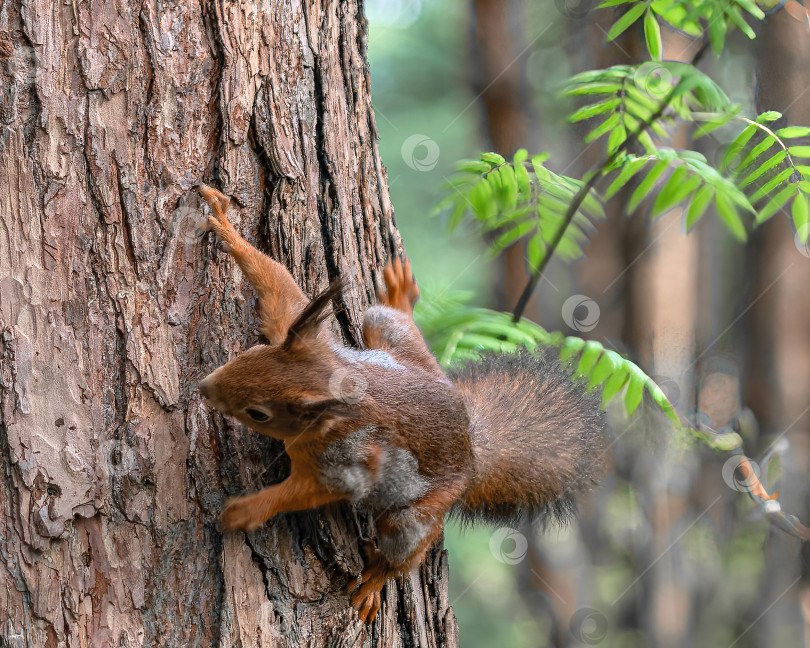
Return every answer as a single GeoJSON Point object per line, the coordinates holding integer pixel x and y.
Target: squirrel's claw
{"type": "Point", "coordinates": [217, 200]}
{"type": "Point", "coordinates": [367, 599]}
{"type": "Point", "coordinates": [239, 514]}
{"type": "Point", "coordinates": [367, 605]}
{"type": "Point", "coordinates": [206, 226]}
{"type": "Point", "coordinates": [218, 221]}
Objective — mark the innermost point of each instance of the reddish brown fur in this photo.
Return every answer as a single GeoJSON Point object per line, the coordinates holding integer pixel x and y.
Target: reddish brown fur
{"type": "Point", "coordinates": [290, 381]}
{"type": "Point", "coordinates": [399, 446]}
{"type": "Point", "coordinates": [280, 297]}
{"type": "Point", "coordinates": [535, 449]}
{"type": "Point", "coordinates": [401, 294]}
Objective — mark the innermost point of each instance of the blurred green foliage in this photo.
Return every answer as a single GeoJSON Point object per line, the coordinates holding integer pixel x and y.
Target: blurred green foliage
{"type": "Point", "coordinates": [428, 117]}
{"type": "Point", "coordinates": [418, 53]}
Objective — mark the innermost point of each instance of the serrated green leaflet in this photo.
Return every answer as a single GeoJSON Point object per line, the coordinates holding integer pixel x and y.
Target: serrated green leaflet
{"type": "Point", "coordinates": [799, 213]}
{"type": "Point", "coordinates": [776, 203]}
{"type": "Point", "coordinates": [652, 35]}
{"type": "Point", "coordinates": [698, 205]}
{"type": "Point", "coordinates": [646, 185]}
{"type": "Point", "coordinates": [763, 168]}
{"type": "Point", "coordinates": [626, 19]}
{"type": "Point", "coordinates": [793, 131]}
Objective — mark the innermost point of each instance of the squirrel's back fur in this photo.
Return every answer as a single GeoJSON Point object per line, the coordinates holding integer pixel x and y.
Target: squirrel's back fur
{"type": "Point", "coordinates": [385, 429]}
{"type": "Point", "coordinates": [538, 437]}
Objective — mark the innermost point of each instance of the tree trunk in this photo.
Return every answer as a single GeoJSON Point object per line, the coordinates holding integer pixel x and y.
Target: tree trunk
{"type": "Point", "coordinates": [777, 380]}
{"type": "Point", "coordinates": [111, 312]}
{"type": "Point", "coordinates": [501, 58]}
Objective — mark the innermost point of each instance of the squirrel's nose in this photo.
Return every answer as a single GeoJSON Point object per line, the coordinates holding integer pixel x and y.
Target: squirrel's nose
{"type": "Point", "coordinates": [206, 388]}
{"type": "Point", "coordinates": [211, 390]}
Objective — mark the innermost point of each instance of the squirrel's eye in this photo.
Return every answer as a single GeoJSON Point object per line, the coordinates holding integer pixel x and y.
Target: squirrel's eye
{"type": "Point", "coordinates": [256, 415]}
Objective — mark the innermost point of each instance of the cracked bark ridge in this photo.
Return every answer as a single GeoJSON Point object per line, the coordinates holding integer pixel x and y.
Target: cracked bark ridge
{"type": "Point", "coordinates": [111, 311]}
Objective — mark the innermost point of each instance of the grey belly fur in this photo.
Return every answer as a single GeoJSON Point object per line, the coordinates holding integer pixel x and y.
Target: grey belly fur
{"type": "Point", "coordinates": [412, 529]}
{"type": "Point", "coordinates": [396, 484]}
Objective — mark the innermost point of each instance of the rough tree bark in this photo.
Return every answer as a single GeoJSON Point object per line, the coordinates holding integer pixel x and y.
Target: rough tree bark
{"type": "Point", "coordinates": [113, 469]}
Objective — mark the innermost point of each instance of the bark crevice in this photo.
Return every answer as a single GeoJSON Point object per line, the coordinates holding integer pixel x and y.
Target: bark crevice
{"type": "Point", "coordinates": [114, 471]}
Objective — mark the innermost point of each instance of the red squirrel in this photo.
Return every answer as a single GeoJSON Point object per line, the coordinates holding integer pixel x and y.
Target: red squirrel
{"type": "Point", "coordinates": [508, 436]}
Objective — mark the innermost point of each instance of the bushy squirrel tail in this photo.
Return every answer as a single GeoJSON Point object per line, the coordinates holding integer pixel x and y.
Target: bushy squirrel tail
{"type": "Point", "coordinates": [538, 437]}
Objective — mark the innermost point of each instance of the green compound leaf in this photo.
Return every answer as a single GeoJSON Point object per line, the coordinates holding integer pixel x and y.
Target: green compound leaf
{"type": "Point", "coordinates": [520, 201]}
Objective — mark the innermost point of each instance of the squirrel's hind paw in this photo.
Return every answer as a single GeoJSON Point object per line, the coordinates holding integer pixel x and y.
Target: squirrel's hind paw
{"type": "Point", "coordinates": [401, 291]}
{"type": "Point", "coordinates": [367, 599]}
{"type": "Point", "coordinates": [368, 607]}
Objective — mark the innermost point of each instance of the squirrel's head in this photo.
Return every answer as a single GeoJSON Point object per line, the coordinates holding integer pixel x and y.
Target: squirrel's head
{"type": "Point", "coordinates": [286, 389]}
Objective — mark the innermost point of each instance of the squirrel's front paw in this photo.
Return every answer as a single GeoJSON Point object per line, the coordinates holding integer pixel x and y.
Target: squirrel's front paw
{"type": "Point", "coordinates": [218, 221]}
{"type": "Point", "coordinates": [240, 513]}
{"type": "Point", "coordinates": [216, 199]}
{"type": "Point", "coordinates": [208, 225]}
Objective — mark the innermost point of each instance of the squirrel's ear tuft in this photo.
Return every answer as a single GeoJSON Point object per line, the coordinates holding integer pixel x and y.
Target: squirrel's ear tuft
{"type": "Point", "coordinates": [305, 327]}
{"type": "Point", "coordinates": [331, 407]}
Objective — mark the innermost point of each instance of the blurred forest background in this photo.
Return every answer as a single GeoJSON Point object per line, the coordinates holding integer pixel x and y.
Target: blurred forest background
{"type": "Point", "coordinates": [670, 551]}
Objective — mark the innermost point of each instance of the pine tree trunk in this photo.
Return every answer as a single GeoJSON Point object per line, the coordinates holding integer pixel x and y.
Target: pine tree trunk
{"type": "Point", "coordinates": [111, 311]}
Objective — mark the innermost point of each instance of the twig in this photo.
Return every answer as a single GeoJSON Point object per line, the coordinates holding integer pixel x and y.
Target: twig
{"type": "Point", "coordinates": [593, 177]}
{"type": "Point", "coordinates": [770, 502]}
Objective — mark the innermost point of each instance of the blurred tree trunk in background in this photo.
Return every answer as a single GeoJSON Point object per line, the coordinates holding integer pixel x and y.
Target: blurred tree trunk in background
{"type": "Point", "coordinates": [665, 272]}
{"type": "Point", "coordinates": [501, 53]}
{"type": "Point", "coordinates": [777, 375]}
{"type": "Point", "coordinates": [509, 122]}
{"type": "Point", "coordinates": [609, 277]}
{"type": "Point", "coordinates": [551, 581]}
{"type": "Point", "coordinates": [110, 312]}
{"type": "Point", "coordinates": [608, 274]}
